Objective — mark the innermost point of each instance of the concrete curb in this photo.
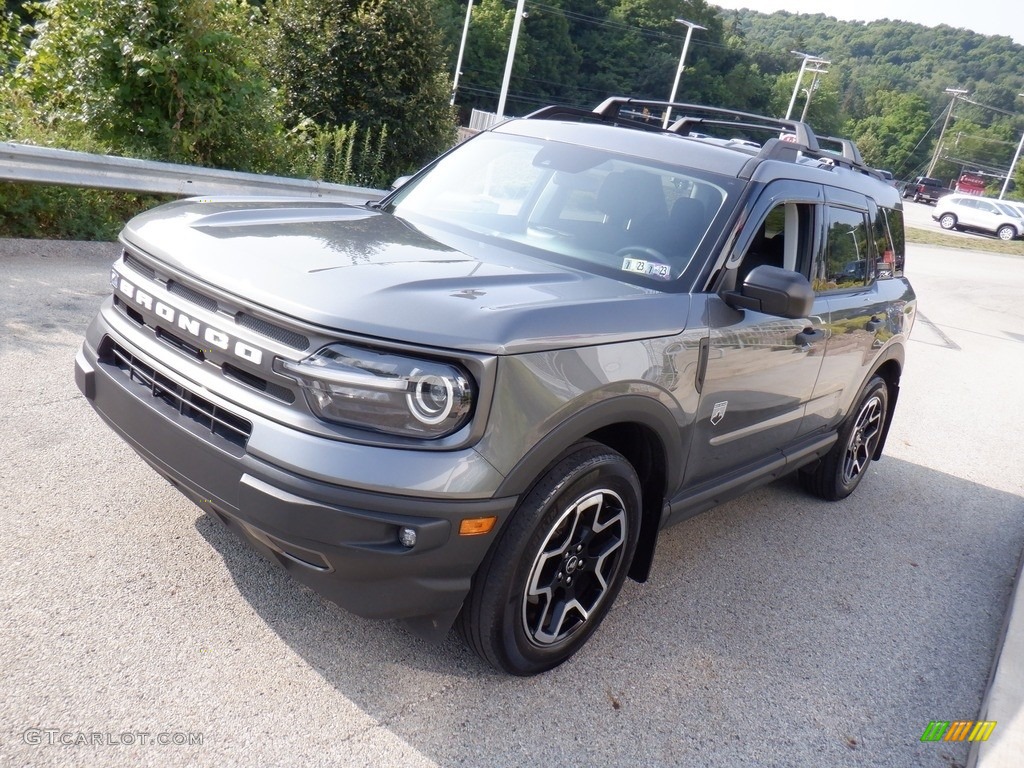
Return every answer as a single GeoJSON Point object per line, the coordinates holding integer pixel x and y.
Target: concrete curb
{"type": "Point", "coordinates": [1004, 698]}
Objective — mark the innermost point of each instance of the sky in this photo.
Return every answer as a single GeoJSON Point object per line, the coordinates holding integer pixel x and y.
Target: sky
{"type": "Point", "coordinates": [987, 17]}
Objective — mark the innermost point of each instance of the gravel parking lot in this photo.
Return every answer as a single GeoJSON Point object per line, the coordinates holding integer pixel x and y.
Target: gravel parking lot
{"type": "Point", "coordinates": [777, 630]}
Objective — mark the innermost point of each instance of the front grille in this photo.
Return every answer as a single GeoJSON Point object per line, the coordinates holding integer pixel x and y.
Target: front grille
{"type": "Point", "coordinates": [271, 331]}
{"type": "Point", "coordinates": [218, 421]}
{"type": "Point", "coordinates": [138, 266]}
{"type": "Point", "coordinates": [206, 302]}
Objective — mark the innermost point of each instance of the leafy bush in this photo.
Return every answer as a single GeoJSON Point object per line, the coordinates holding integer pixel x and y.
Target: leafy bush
{"type": "Point", "coordinates": [342, 155]}
{"type": "Point", "coordinates": [67, 213]}
{"type": "Point", "coordinates": [169, 79]}
{"type": "Point", "coordinates": [372, 63]}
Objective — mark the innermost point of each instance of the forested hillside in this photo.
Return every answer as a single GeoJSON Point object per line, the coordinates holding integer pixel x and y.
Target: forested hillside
{"type": "Point", "coordinates": [885, 85]}
{"type": "Point", "coordinates": [358, 90]}
{"type": "Point", "coordinates": [890, 77]}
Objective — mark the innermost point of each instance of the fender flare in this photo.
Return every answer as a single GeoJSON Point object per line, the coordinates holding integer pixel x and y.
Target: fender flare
{"type": "Point", "coordinates": [624, 409]}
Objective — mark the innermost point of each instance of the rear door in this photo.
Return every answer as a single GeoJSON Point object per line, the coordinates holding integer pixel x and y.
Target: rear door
{"type": "Point", "coordinates": [847, 267]}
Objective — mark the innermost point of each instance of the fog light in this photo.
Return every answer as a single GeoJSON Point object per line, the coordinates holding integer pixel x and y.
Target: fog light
{"type": "Point", "coordinates": [407, 537]}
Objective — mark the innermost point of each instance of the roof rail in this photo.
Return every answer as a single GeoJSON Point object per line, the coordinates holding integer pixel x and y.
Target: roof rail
{"type": "Point", "coordinates": [792, 137]}
{"type": "Point", "coordinates": [691, 115]}
{"type": "Point", "coordinates": [557, 112]}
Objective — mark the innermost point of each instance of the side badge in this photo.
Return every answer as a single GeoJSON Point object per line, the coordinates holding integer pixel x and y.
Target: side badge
{"type": "Point", "coordinates": [718, 413]}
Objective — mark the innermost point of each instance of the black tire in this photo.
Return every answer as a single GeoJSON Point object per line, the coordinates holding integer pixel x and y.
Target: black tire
{"type": "Point", "coordinates": [550, 579]}
{"type": "Point", "coordinates": [841, 469]}
{"type": "Point", "coordinates": [947, 221]}
{"type": "Point", "coordinates": [1006, 232]}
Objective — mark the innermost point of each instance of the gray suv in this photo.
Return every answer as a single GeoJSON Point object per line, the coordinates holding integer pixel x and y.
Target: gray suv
{"type": "Point", "coordinates": [478, 401]}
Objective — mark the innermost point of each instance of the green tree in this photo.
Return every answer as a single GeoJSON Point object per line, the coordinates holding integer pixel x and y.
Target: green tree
{"type": "Point", "coordinates": [891, 136]}
{"type": "Point", "coordinates": [374, 63]}
{"type": "Point", "coordinates": [172, 79]}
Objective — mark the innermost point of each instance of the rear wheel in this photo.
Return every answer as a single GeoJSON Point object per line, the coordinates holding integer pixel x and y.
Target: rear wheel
{"type": "Point", "coordinates": [840, 471]}
{"type": "Point", "coordinates": [947, 221]}
{"type": "Point", "coordinates": [549, 581]}
{"type": "Point", "coordinates": [1006, 232]}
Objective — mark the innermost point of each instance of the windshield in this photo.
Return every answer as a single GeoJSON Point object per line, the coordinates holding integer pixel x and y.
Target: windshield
{"type": "Point", "coordinates": [590, 208]}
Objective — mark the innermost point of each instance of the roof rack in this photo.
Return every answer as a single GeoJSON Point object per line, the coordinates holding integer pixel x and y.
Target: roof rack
{"type": "Point", "coordinates": [847, 148]}
{"type": "Point", "coordinates": [795, 136]}
{"type": "Point", "coordinates": [691, 116]}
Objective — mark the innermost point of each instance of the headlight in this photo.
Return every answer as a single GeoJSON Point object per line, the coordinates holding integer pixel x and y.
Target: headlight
{"type": "Point", "coordinates": [384, 392]}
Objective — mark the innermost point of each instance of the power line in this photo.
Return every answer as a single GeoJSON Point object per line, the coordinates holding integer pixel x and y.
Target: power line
{"type": "Point", "coordinates": [620, 25]}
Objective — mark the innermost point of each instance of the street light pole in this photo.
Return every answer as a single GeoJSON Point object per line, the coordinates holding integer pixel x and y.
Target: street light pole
{"type": "Point", "coordinates": [938, 145]}
{"type": "Point", "coordinates": [511, 57]}
{"type": "Point", "coordinates": [690, 26]}
{"type": "Point", "coordinates": [462, 49]}
{"type": "Point", "coordinates": [1013, 163]}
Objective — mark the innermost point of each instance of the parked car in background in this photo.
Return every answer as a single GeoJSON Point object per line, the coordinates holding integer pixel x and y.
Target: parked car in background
{"type": "Point", "coordinates": [980, 214]}
{"type": "Point", "coordinates": [924, 189]}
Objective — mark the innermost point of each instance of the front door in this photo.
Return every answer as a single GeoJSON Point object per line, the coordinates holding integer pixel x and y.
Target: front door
{"type": "Point", "coordinates": [761, 370]}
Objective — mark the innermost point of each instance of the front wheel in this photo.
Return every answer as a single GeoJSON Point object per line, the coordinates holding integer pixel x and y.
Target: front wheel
{"type": "Point", "coordinates": [1006, 232]}
{"type": "Point", "coordinates": [550, 579]}
{"type": "Point", "coordinates": [947, 221]}
{"type": "Point", "coordinates": [841, 469]}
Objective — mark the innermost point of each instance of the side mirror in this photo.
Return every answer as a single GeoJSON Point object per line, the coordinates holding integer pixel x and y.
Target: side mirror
{"type": "Point", "coordinates": [399, 182]}
{"type": "Point", "coordinates": [773, 291]}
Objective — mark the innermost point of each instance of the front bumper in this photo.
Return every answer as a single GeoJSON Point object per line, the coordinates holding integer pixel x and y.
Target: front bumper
{"type": "Point", "coordinates": [337, 538]}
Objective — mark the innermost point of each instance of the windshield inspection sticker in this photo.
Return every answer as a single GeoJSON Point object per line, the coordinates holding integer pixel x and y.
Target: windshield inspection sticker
{"type": "Point", "coordinates": [643, 267]}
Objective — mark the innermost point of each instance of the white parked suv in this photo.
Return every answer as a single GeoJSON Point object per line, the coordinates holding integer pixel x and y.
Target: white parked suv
{"type": "Point", "coordinates": [979, 214]}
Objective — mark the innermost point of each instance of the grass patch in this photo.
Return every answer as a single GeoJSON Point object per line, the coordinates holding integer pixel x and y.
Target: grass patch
{"type": "Point", "coordinates": [969, 243]}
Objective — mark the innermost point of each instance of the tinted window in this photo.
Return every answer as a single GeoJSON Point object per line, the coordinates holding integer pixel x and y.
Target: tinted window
{"type": "Point", "coordinates": [897, 238]}
{"type": "Point", "coordinates": [847, 262]}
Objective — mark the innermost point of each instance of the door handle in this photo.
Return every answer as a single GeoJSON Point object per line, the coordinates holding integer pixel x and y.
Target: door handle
{"type": "Point", "coordinates": [873, 324]}
{"type": "Point", "coordinates": [808, 336]}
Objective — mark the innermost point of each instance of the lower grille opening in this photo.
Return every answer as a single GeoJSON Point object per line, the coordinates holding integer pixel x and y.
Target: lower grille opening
{"type": "Point", "coordinates": [184, 346]}
{"type": "Point", "coordinates": [260, 384]}
{"type": "Point", "coordinates": [133, 314]}
{"type": "Point", "coordinates": [218, 421]}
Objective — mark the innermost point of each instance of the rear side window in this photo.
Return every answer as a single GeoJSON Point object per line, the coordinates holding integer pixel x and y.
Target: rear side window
{"type": "Point", "coordinates": [890, 242]}
{"type": "Point", "coordinates": [847, 262]}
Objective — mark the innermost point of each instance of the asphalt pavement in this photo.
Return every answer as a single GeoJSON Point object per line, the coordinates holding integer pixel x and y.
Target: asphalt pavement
{"type": "Point", "coordinates": [776, 630]}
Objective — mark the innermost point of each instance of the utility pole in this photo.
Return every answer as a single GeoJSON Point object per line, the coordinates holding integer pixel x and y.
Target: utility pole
{"type": "Point", "coordinates": [1013, 163]}
{"type": "Point", "coordinates": [511, 57]}
{"type": "Point", "coordinates": [462, 50]}
{"type": "Point", "coordinates": [814, 85]}
{"type": "Point", "coordinates": [690, 26]}
{"type": "Point", "coordinates": [799, 78]}
{"type": "Point", "coordinates": [957, 93]}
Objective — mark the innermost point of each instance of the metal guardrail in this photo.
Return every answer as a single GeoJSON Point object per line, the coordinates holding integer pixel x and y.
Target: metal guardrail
{"type": "Point", "coordinates": [45, 165]}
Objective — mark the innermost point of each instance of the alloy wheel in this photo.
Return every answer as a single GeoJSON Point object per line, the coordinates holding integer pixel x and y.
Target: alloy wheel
{"type": "Point", "coordinates": [575, 567]}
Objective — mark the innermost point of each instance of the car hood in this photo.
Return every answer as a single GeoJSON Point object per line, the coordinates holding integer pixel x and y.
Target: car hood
{"type": "Point", "coordinates": [361, 271]}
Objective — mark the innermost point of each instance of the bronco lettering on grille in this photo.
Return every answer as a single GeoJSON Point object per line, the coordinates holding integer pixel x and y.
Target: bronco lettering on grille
{"type": "Point", "coordinates": [190, 325]}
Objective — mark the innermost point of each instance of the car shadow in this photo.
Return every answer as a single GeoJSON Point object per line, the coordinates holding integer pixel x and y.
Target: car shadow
{"type": "Point", "coordinates": [776, 624]}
